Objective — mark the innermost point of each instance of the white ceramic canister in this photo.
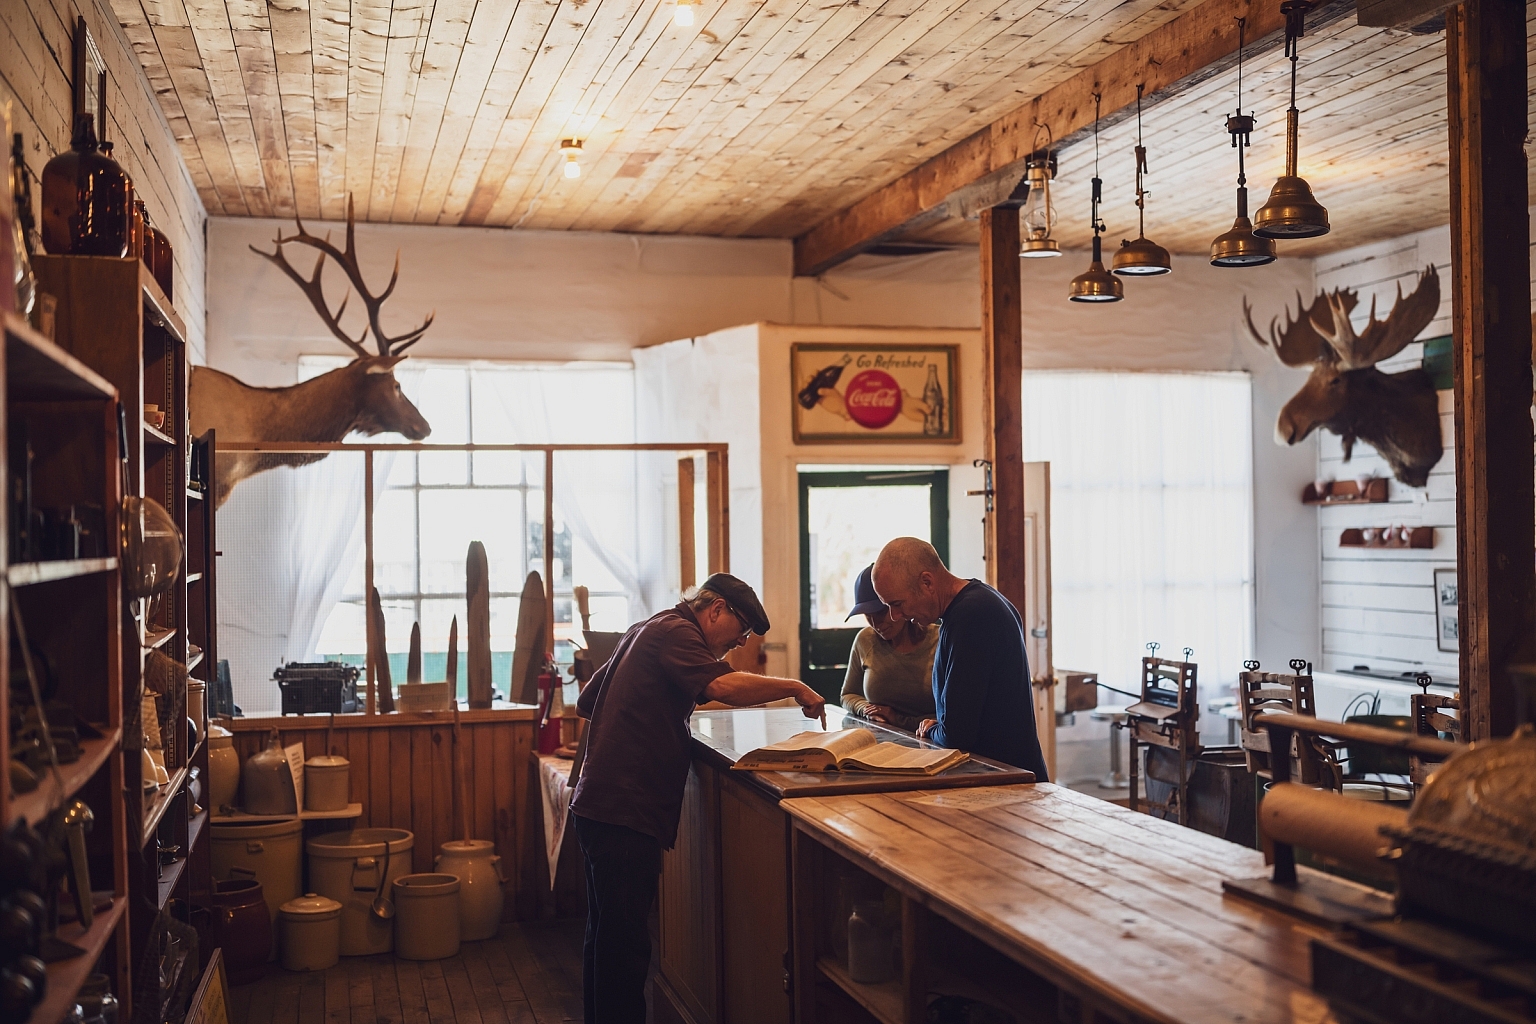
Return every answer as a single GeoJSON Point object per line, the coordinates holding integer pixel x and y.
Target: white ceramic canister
{"type": "Point", "coordinates": [346, 866]}
{"type": "Point", "coordinates": [327, 783]}
{"type": "Point", "coordinates": [223, 769]}
{"type": "Point", "coordinates": [480, 885]}
{"type": "Point", "coordinates": [426, 916]}
{"type": "Point", "coordinates": [310, 929]}
{"type": "Point", "coordinates": [268, 851]}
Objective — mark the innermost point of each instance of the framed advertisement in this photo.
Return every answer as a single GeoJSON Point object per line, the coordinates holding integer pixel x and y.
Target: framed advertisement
{"type": "Point", "coordinates": [874, 393]}
{"type": "Point", "coordinates": [1447, 621]}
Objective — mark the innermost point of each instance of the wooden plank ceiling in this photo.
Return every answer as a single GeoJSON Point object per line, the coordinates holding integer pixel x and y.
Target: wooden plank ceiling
{"type": "Point", "coordinates": [761, 119]}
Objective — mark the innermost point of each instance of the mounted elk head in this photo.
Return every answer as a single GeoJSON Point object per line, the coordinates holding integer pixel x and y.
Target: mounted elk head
{"type": "Point", "coordinates": [361, 397]}
{"type": "Point", "coordinates": [1397, 414]}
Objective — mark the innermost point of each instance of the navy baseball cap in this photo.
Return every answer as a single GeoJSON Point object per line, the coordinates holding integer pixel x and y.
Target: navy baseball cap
{"type": "Point", "coordinates": [866, 601]}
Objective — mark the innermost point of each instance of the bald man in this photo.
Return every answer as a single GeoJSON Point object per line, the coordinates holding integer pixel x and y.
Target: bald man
{"type": "Point", "coordinates": [981, 683]}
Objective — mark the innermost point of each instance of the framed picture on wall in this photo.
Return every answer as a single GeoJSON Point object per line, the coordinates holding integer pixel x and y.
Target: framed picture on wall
{"type": "Point", "coordinates": [1447, 621]}
{"type": "Point", "coordinates": [874, 393]}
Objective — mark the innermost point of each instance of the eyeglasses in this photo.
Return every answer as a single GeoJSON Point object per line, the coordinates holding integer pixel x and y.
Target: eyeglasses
{"type": "Point", "coordinates": [746, 628]}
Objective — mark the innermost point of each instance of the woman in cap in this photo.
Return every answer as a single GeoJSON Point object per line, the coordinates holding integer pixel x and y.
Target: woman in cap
{"type": "Point", "coordinates": [890, 669]}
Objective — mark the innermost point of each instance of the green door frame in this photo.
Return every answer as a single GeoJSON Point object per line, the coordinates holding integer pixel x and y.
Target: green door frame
{"type": "Point", "coordinates": [824, 652]}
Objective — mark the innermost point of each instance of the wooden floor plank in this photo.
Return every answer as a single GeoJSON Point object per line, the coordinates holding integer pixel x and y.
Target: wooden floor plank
{"type": "Point", "coordinates": [439, 1005]}
{"type": "Point", "coordinates": [338, 1000]}
{"type": "Point", "coordinates": [461, 991]}
{"type": "Point", "coordinates": [483, 982]}
{"type": "Point", "coordinates": [265, 997]}
{"type": "Point", "coordinates": [413, 999]}
{"type": "Point", "coordinates": [312, 998]}
{"type": "Point", "coordinates": [285, 1003]}
{"type": "Point", "coordinates": [387, 1007]}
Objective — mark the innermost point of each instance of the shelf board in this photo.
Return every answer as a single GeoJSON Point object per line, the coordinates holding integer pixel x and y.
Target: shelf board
{"type": "Point", "coordinates": [38, 370]}
{"type": "Point", "coordinates": [36, 805]}
{"type": "Point", "coordinates": [350, 811]}
{"type": "Point", "coordinates": [194, 494]}
{"type": "Point", "coordinates": [156, 810]}
{"type": "Point", "coordinates": [193, 577]}
{"type": "Point", "coordinates": [160, 305]}
{"type": "Point", "coordinates": [885, 1000]}
{"type": "Point", "coordinates": [195, 828]}
{"type": "Point", "coordinates": [24, 574]}
{"type": "Point", "coordinates": [66, 976]}
{"type": "Point", "coordinates": [154, 435]}
{"type": "Point", "coordinates": [194, 661]}
{"type": "Point", "coordinates": [158, 639]}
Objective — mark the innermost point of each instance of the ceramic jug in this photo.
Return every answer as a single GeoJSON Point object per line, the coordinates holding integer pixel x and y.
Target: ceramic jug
{"type": "Point", "coordinates": [480, 885]}
{"type": "Point", "coordinates": [269, 782]}
{"type": "Point", "coordinates": [223, 769]}
{"type": "Point", "coordinates": [242, 927]}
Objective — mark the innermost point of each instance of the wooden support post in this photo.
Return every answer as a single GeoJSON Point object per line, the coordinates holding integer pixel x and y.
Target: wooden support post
{"type": "Point", "coordinates": [1491, 310]}
{"type": "Point", "coordinates": [549, 548]}
{"type": "Point", "coordinates": [717, 497]}
{"type": "Point", "coordinates": [687, 553]}
{"type": "Point", "coordinates": [1002, 326]}
{"type": "Point", "coordinates": [368, 631]}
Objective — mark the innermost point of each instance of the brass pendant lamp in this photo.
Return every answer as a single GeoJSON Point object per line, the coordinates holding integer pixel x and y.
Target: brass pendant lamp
{"type": "Point", "coordinates": [1143, 257]}
{"type": "Point", "coordinates": [1096, 284]}
{"type": "Point", "coordinates": [1292, 211]}
{"type": "Point", "coordinates": [1240, 247]}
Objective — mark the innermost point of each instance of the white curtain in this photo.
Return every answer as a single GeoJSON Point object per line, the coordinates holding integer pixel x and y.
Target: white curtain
{"type": "Point", "coordinates": [1151, 518]}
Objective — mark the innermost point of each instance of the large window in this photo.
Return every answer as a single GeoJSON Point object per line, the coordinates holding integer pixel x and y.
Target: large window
{"type": "Point", "coordinates": [433, 504]}
{"type": "Point", "coordinates": [1151, 517]}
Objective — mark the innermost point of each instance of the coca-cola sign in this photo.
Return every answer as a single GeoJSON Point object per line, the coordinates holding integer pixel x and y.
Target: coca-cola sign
{"type": "Point", "coordinates": [902, 393]}
{"type": "Point", "coordinates": [873, 399]}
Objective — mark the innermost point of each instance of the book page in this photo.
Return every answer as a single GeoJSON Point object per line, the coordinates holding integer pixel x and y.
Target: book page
{"type": "Point", "coordinates": [807, 751]}
{"type": "Point", "coordinates": [892, 757]}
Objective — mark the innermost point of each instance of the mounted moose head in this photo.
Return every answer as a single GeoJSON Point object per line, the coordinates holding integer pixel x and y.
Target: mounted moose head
{"type": "Point", "coordinates": [1395, 413]}
{"type": "Point", "coordinates": [362, 397]}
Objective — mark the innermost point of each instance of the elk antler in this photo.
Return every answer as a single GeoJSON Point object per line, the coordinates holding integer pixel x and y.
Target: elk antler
{"type": "Point", "coordinates": [347, 258]}
{"type": "Point", "coordinates": [1382, 339]}
{"type": "Point", "coordinates": [1298, 343]}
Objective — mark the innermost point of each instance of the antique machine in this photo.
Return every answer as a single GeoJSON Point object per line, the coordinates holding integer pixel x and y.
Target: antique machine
{"type": "Point", "coordinates": [1167, 716]}
{"type": "Point", "coordinates": [1260, 693]}
{"type": "Point", "coordinates": [1457, 942]}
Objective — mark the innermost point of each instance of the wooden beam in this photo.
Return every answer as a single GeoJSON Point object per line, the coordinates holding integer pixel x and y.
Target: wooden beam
{"type": "Point", "coordinates": [1168, 60]}
{"type": "Point", "coordinates": [1491, 313]}
{"type": "Point", "coordinates": [1002, 326]}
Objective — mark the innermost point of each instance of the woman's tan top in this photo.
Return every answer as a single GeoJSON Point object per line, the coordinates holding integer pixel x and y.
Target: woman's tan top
{"type": "Point", "coordinates": [878, 674]}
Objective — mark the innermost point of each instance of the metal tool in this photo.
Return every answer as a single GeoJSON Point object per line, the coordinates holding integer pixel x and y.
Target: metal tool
{"type": "Point", "coordinates": [78, 820]}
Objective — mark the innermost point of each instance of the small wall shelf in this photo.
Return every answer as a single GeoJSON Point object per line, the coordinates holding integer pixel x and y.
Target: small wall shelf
{"type": "Point", "coordinates": [1418, 537]}
{"type": "Point", "coordinates": [1347, 492]}
{"type": "Point", "coordinates": [23, 574]}
{"type": "Point", "coordinates": [349, 811]}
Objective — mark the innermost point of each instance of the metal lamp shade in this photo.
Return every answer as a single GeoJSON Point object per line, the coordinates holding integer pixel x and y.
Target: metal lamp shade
{"type": "Point", "coordinates": [1292, 211]}
{"type": "Point", "coordinates": [1240, 247]}
{"type": "Point", "coordinates": [1141, 258]}
{"type": "Point", "coordinates": [1039, 248]}
{"type": "Point", "coordinates": [1096, 284]}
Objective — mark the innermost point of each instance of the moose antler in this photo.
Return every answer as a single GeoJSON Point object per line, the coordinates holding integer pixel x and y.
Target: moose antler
{"type": "Point", "coordinates": [1299, 342]}
{"type": "Point", "coordinates": [1383, 339]}
{"type": "Point", "coordinates": [347, 258]}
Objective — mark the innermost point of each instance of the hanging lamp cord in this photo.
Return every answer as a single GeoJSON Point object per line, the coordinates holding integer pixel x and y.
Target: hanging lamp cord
{"type": "Point", "coordinates": [1098, 183]}
{"type": "Point", "coordinates": [1141, 170]}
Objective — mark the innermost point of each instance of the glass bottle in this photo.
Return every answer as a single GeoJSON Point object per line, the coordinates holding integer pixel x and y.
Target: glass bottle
{"type": "Point", "coordinates": [869, 944]}
{"type": "Point", "coordinates": [933, 397]}
{"type": "Point", "coordinates": [21, 223]}
{"type": "Point", "coordinates": [136, 232]}
{"type": "Point", "coordinates": [87, 199]}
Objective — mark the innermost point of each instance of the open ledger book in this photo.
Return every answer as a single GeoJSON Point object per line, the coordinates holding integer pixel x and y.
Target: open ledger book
{"type": "Point", "coordinates": [847, 750]}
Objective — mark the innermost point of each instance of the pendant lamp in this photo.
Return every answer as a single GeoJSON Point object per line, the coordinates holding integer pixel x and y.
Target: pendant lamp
{"type": "Point", "coordinates": [1039, 215]}
{"type": "Point", "coordinates": [1240, 247]}
{"type": "Point", "coordinates": [1292, 211]}
{"type": "Point", "coordinates": [1143, 257]}
{"type": "Point", "coordinates": [1096, 284]}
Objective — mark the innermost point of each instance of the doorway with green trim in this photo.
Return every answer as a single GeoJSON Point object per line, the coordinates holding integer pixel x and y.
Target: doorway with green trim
{"type": "Point", "coordinates": [846, 517]}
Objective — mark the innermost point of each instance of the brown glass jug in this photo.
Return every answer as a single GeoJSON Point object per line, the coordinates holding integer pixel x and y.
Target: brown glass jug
{"type": "Point", "coordinates": [87, 199]}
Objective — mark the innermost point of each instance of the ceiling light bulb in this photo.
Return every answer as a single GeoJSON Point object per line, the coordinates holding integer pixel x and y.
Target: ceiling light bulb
{"type": "Point", "coordinates": [682, 13]}
{"type": "Point", "coordinates": [571, 148]}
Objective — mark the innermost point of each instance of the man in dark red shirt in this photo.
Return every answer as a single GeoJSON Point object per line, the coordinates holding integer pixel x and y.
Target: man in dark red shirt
{"type": "Point", "coordinates": [630, 793]}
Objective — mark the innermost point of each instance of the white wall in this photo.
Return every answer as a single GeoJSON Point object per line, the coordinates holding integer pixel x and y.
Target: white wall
{"type": "Point", "coordinates": [1377, 606]}
{"type": "Point", "coordinates": [550, 295]}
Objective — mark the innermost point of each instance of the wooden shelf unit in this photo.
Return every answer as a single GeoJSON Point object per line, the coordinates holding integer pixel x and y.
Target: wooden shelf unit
{"type": "Point", "coordinates": [113, 318]}
{"type": "Point", "coordinates": [65, 412]}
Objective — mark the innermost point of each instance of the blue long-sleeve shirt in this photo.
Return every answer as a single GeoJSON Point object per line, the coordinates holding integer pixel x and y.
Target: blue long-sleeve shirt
{"type": "Point", "coordinates": [981, 687]}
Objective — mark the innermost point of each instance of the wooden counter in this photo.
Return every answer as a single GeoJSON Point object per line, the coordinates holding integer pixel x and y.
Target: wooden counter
{"type": "Point", "coordinates": [1050, 904]}
{"type": "Point", "coordinates": [724, 901]}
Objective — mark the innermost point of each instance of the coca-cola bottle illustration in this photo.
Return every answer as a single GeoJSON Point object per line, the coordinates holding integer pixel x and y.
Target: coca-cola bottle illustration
{"type": "Point", "coordinates": [826, 377]}
{"type": "Point", "coordinates": [933, 396]}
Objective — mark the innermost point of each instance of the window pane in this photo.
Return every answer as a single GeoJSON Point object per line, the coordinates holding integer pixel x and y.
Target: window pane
{"type": "Point", "coordinates": [443, 398]}
{"type": "Point", "coordinates": [848, 526]}
{"type": "Point", "coordinates": [451, 519]}
{"type": "Point", "coordinates": [394, 544]}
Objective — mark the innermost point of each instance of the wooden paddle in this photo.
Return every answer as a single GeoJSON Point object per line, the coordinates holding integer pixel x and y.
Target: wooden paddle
{"type": "Point", "coordinates": [478, 587]}
{"type": "Point", "coordinates": [413, 659]}
{"type": "Point", "coordinates": [461, 785]}
{"type": "Point", "coordinates": [531, 647]}
{"type": "Point", "coordinates": [452, 675]}
{"type": "Point", "coordinates": [386, 691]}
